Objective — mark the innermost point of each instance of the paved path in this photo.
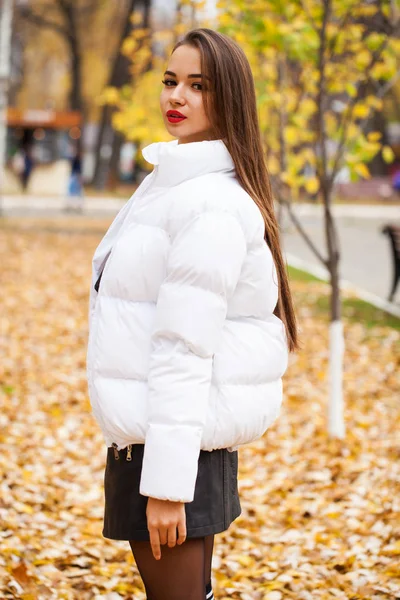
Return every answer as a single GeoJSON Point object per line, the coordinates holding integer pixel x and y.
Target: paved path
{"type": "Point", "coordinates": [365, 252]}
{"type": "Point", "coordinates": [47, 207]}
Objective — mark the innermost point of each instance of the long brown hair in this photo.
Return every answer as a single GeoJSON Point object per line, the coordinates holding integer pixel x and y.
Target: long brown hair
{"type": "Point", "coordinates": [232, 110]}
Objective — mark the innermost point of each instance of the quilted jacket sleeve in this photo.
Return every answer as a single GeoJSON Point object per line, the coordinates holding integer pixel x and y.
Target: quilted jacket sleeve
{"type": "Point", "coordinates": [203, 269]}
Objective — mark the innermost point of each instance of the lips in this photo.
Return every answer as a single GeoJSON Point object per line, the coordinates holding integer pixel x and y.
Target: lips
{"type": "Point", "coordinates": [175, 116]}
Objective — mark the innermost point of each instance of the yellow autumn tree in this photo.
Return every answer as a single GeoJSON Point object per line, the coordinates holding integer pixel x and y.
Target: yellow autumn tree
{"type": "Point", "coordinates": [321, 69]}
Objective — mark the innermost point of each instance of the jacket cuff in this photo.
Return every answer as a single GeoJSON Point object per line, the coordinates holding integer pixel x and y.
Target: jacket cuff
{"type": "Point", "coordinates": [170, 462]}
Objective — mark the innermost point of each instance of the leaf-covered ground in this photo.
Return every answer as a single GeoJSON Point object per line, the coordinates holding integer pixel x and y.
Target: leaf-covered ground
{"type": "Point", "coordinates": [320, 517]}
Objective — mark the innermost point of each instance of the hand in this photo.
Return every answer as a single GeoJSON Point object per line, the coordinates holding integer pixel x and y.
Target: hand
{"type": "Point", "coordinates": [163, 518]}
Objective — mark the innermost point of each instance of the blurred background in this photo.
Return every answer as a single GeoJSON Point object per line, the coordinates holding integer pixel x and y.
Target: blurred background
{"type": "Point", "coordinates": [82, 76]}
{"type": "Point", "coordinates": [79, 98]}
{"type": "Point", "coordinates": [64, 56]}
{"type": "Point", "coordinates": [80, 83]}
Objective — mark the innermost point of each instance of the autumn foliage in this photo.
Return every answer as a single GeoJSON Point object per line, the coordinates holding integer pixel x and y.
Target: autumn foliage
{"type": "Point", "coordinates": [319, 518]}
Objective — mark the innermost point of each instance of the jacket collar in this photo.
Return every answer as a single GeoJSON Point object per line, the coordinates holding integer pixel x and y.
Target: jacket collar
{"type": "Point", "coordinates": [176, 163]}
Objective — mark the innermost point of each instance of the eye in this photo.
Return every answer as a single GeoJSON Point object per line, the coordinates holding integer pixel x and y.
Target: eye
{"type": "Point", "coordinates": [167, 83]}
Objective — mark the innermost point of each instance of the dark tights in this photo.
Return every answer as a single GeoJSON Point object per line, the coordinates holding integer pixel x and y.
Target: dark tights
{"type": "Point", "coordinates": [182, 573]}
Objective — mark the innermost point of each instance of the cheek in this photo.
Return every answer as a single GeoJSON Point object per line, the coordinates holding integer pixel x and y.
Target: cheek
{"type": "Point", "coordinates": [200, 109]}
{"type": "Point", "coordinates": [163, 98]}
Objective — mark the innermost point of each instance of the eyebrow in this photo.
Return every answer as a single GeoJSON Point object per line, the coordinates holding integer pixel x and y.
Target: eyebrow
{"type": "Point", "coordinates": [191, 76]}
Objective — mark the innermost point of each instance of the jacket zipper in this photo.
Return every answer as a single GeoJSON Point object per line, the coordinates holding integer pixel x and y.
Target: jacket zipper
{"type": "Point", "coordinates": [129, 452]}
{"type": "Point", "coordinates": [106, 265]}
{"type": "Point", "coordinates": [116, 453]}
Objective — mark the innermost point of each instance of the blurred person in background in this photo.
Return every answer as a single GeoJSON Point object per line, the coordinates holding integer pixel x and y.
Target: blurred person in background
{"type": "Point", "coordinates": [191, 322]}
{"type": "Point", "coordinates": [22, 165]}
{"type": "Point", "coordinates": [28, 166]}
{"type": "Point", "coordinates": [75, 196]}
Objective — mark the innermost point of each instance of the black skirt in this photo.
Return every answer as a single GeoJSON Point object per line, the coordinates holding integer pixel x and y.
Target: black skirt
{"type": "Point", "coordinates": [215, 505]}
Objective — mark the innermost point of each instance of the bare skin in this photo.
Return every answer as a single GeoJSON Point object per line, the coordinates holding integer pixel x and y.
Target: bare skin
{"type": "Point", "coordinates": [182, 93]}
{"type": "Point", "coordinates": [164, 520]}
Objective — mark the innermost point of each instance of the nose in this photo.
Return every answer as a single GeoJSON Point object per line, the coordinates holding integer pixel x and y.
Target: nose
{"type": "Point", "coordinates": [177, 96]}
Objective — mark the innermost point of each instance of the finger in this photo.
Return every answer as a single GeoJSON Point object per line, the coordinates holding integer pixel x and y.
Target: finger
{"type": "Point", "coordinates": [182, 530]}
{"type": "Point", "coordinates": [155, 543]}
{"type": "Point", "coordinates": [163, 533]}
{"type": "Point", "coordinates": [172, 536]}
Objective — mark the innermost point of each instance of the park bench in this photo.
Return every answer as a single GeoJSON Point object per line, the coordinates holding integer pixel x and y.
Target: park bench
{"type": "Point", "coordinates": [393, 231]}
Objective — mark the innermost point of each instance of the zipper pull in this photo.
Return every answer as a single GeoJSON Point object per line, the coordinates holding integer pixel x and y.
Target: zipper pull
{"type": "Point", "coordinates": [116, 453]}
{"type": "Point", "coordinates": [129, 452]}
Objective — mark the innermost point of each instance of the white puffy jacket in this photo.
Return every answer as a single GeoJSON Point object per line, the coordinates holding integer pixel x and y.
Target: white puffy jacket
{"type": "Point", "coordinates": [184, 350]}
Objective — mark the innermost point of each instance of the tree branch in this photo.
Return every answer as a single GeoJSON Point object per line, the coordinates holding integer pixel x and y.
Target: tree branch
{"type": "Point", "coordinates": [321, 127]}
{"type": "Point", "coordinates": [308, 15]}
{"type": "Point", "coordinates": [395, 29]}
{"type": "Point", "coordinates": [388, 85]}
{"type": "Point", "coordinates": [341, 26]}
{"type": "Point", "coordinates": [40, 21]}
{"type": "Point", "coordinates": [349, 112]}
{"type": "Point", "coordinates": [303, 232]}
{"type": "Point", "coordinates": [64, 5]}
{"type": "Point", "coordinates": [89, 8]}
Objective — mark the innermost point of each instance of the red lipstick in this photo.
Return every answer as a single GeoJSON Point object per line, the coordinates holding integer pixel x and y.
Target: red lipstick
{"type": "Point", "coordinates": [174, 116]}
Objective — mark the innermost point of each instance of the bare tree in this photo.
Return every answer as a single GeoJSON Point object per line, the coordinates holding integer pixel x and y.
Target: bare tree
{"type": "Point", "coordinates": [66, 18]}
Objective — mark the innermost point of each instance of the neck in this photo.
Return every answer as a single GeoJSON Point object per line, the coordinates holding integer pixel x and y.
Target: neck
{"type": "Point", "coordinates": [203, 136]}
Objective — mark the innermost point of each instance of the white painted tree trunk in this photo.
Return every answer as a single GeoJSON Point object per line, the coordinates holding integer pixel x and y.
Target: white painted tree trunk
{"type": "Point", "coordinates": [336, 426]}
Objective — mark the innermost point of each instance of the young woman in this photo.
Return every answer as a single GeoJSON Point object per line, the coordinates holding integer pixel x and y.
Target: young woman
{"type": "Point", "coordinates": [191, 322]}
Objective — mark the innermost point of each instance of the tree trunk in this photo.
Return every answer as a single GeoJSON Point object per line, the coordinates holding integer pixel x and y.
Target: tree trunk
{"type": "Point", "coordinates": [75, 93]}
{"type": "Point", "coordinates": [377, 166]}
{"type": "Point", "coordinates": [113, 175]}
{"type": "Point", "coordinates": [336, 426]}
{"type": "Point", "coordinates": [103, 149]}
{"type": "Point", "coordinates": [120, 75]}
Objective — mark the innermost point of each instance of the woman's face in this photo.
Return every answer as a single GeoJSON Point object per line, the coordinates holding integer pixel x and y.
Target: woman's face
{"type": "Point", "coordinates": [182, 92]}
